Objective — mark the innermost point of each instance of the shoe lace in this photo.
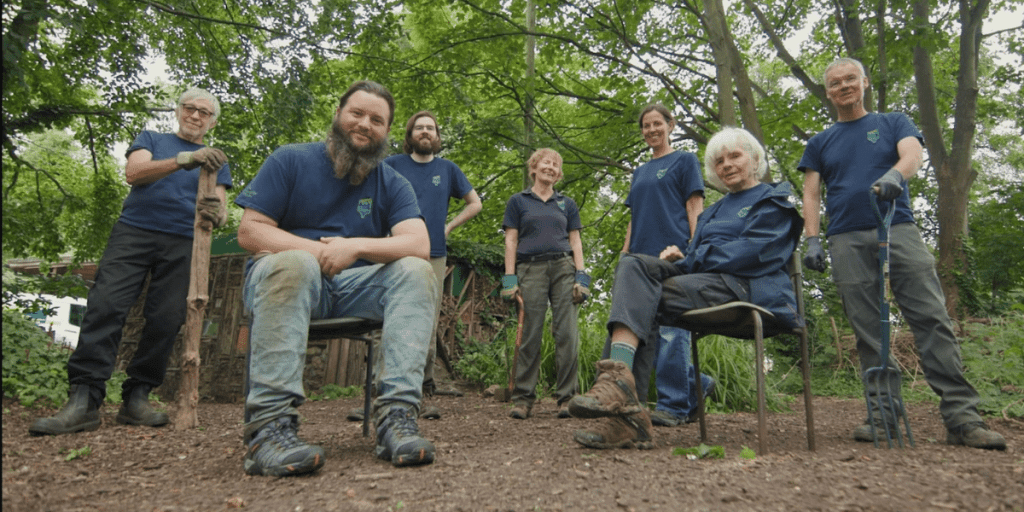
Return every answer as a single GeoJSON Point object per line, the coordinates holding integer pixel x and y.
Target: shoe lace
{"type": "Point", "coordinates": [402, 422]}
{"type": "Point", "coordinates": [282, 435]}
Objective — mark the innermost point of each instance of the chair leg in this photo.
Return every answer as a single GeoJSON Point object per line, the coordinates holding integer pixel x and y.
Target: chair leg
{"type": "Point", "coordinates": [700, 386]}
{"type": "Point", "coordinates": [762, 427]}
{"type": "Point", "coordinates": [368, 386]}
{"type": "Point", "coordinates": [805, 367]}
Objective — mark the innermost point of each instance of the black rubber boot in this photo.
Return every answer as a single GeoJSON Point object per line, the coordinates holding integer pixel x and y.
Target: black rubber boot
{"type": "Point", "coordinates": [135, 410]}
{"type": "Point", "coordinates": [78, 415]}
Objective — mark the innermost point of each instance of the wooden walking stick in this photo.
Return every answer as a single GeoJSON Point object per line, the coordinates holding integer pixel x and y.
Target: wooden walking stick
{"type": "Point", "coordinates": [198, 295]}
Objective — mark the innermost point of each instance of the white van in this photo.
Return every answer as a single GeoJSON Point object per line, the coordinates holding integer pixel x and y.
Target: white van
{"type": "Point", "coordinates": [66, 321]}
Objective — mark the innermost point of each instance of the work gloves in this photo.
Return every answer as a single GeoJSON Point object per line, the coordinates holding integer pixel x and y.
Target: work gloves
{"type": "Point", "coordinates": [581, 289]}
{"type": "Point", "coordinates": [889, 186]}
{"type": "Point", "coordinates": [208, 208]}
{"type": "Point", "coordinates": [815, 257]}
{"type": "Point", "coordinates": [509, 286]}
{"type": "Point", "coordinates": [210, 158]}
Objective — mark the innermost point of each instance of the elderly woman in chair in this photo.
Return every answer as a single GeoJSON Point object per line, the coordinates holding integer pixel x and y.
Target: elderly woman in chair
{"type": "Point", "coordinates": [739, 252]}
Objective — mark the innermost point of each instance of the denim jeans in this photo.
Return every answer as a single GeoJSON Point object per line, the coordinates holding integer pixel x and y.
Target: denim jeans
{"type": "Point", "coordinates": [674, 377]}
{"type": "Point", "coordinates": [284, 291]}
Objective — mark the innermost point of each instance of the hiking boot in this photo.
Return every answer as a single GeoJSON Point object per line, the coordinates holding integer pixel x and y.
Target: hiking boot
{"type": "Point", "coordinates": [430, 412]}
{"type": "Point", "coordinates": [398, 439]}
{"type": "Point", "coordinates": [863, 432]}
{"type": "Point", "coordinates": [520, 412]}
{"type": "Point", "coordinates": [665, 419]}
{"type": "Point", "coordinates": [563, 410]}
{"type": "Point", "coordinates": [633, 431]}
{"type": "Point", "coordinates": [276, 450]}
{"type": "Point", "coordinates": [355, 414]}
{"type": "Point", "coordinates": [135, 410]}
{"type": "Point", "coordinates": [79, 414]}
{"type": "Point", "coordinates": [975, 435]}
{"type": "Point", "coordinates": [614, 393]}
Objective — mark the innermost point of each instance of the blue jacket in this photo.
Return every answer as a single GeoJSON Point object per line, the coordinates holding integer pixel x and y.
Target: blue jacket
{"type": "Point", "coordinates": [759, 253]}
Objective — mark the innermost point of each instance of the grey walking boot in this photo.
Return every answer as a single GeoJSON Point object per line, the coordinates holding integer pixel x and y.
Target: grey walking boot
{"type": "Point", "coordinates": [135, 410]}
{"type": "Point", "coordinates": [77, 415]}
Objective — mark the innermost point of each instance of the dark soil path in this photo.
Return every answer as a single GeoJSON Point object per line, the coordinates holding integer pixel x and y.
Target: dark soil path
{"type": "Point", "coordinates": [487, 461]}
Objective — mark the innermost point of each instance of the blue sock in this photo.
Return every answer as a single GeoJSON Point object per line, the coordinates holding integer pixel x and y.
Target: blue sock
{"type": "Point", "coordinates": [622, 352]}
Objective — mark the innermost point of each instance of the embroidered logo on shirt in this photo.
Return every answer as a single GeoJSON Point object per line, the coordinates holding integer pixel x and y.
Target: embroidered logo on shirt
{"type": "Point", "coordinates": [364, 207]}
{"type": "Point", "coordinates": [561, 204]}
{"type": "Point", "coordinates": [743, 212]}
{"type": "Point", "coordinates": [873, 136]}
{"type": "Point", "coordinates": [661, 173]}
{"type": "Point", "coordinates": [248, 192]}
{"type": "Point", "coordinates": [436, 181]}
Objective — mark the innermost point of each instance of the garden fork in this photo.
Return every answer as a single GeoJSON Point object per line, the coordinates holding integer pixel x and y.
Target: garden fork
{"type": "Point", "coordinates": [887, 406]}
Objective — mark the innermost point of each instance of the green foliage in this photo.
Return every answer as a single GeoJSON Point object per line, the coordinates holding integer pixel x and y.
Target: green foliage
{"type": "Point", "coordinates": [748, 453]}
{"type": "Point", "coordinates": [334, 391]}
{"type": "Point", "coordinates": [993, 356]}
{"type": "Point", "coordinates": [34, 369]}
{"type": "Point", "coordinates": [484, 363]}
{"type": "Point", "coordinates": [701, 451]}
{"type": "Point", "coordinates": [732, 364]}
{"type": "Point", "coordinates": [114, 384]}
{"type": "Point", "coordinates": [76, 453]}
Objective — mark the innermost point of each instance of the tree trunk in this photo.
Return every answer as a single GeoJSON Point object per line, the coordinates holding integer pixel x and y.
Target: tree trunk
{"type": "Point", "coordinates": [198, 295]}
{"type": "Point", "coordinates": [954, 172]}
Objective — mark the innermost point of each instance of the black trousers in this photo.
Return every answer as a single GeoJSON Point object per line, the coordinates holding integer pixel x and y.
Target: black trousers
{"type": "Point", "coordinates": [130, 256]}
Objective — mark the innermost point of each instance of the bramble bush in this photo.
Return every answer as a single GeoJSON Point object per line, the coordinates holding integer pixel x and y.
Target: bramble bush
{"type": "Point", "coordinates": [34, 367]}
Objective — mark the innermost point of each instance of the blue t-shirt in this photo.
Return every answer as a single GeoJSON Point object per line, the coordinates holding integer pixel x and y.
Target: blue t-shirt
{"type": "Point", "coordinates": [297, 188]}
{"type": "Point", "coordinates": [543, 226]}
{"type": "Point", "coordinates": [168, 204]}
{"type": "Point", "coordinates": [434, 182]}
{"type": "Point", "coordinates": [657, 196]}
{"type": "Point", "coordinates": [850, 156]}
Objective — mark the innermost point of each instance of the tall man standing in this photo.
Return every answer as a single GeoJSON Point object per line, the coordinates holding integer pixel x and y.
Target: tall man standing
{"type": "Point", "coordinates": [153, 235]}
{"type": "Point", "coordinates": [435, 181]}
{"type": "Point", "coordinates": [869, 151]}
{"type": "Point", "coordinates": [318, 218]}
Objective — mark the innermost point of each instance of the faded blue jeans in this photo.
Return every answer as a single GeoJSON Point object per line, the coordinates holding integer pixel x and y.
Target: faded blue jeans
{"type": "Point", "coordinates": [284, 291]}
{"type": "Point", "coordinates": [674, 376]}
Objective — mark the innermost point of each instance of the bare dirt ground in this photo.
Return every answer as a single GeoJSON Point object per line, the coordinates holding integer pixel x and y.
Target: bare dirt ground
{"type": "Point", "coordinates": [487, 461]}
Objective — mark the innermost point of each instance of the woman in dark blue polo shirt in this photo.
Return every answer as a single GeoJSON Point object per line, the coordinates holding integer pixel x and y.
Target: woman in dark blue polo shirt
{"type": "Point", "coordinates": [544, 263]}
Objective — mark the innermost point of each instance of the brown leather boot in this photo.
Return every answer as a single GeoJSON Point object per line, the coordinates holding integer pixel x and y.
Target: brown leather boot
{"type": "Point", "coordinates": [78, 414]}
{"type": "Point", "coordinates": [614, 393]}
{"type": "Point", "coordinates": [135, 410]}
{"type": "Point", "coordinates": [633, 431]}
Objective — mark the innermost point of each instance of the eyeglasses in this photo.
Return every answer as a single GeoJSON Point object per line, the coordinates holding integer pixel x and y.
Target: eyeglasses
{"type": "Point", "coordinates": [192, 109]}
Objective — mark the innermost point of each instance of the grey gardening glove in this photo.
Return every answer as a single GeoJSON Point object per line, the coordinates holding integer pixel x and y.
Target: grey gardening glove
{"type": "Point", "coordinates": [815, 257]}
{"type": "Point", "coordinates": [889, 186]}
{"type": "Point", "coordinates": [210, 158]}
{"type": "Point", "coordinates": [209, 209]}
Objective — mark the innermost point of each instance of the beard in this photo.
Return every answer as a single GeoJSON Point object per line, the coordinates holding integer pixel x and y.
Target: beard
{"type": "Point", "coordinates": [350, 161]}
{"type": "Point", "coordinates": [426, 146]}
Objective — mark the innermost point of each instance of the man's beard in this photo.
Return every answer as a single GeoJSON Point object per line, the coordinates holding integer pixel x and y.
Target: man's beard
{"type": "Point", "coordinates": [426, 146]}
{"type": "Point", "coordinates": [349, 160]}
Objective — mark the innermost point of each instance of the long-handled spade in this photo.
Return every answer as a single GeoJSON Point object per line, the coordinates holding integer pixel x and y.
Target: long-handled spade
{"type": "Point", "coordinates": [888, 373]}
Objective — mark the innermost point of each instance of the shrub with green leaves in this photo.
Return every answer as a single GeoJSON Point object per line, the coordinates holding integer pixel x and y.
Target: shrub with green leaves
{"type": "Point", "coordinates": [34, 367]}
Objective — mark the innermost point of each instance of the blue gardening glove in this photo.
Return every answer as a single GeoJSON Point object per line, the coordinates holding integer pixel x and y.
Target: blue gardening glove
{"type": "Point", "coordinates": [509, 286]}
{"type": "Point", "coordinates": [889, 186]}
{"type": "Point", "coordinates": [815, 257]}
{"type": "Point", "coordinates": [581, 290]}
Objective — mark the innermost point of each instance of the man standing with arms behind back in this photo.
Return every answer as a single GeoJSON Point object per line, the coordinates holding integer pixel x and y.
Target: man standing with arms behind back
{"type": "Point", "coordinates": [861, 152]}
{"type": "Point", "coordinates": [435, 180]}
{"type": "Point", "coordinates": [153, 235]}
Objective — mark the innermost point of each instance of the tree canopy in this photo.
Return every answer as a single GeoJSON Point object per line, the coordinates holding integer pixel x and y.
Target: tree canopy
{"type": "Point", "coordinates": [78, 80]}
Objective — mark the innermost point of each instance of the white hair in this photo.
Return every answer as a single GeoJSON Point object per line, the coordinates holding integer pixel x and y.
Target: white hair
{"type": "Point", "coordinates": [195, 93]}
{"type": "Point", "coordinates": [728, 138]}
{"type": "Point", "coordinates": [842, 61]}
